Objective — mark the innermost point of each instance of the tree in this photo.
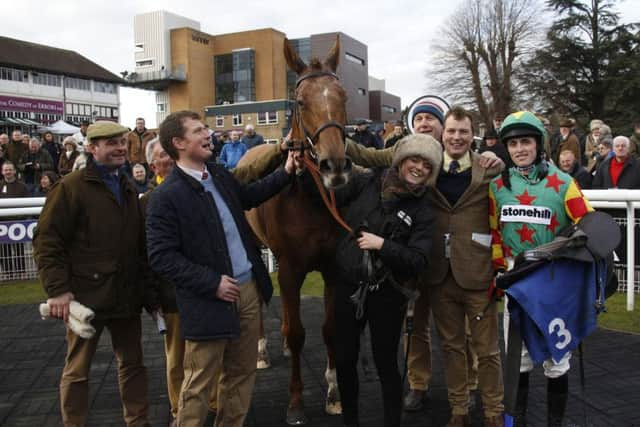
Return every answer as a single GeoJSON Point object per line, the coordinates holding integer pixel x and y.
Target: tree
{"type": "Point", "coordinates": [479, 52]}
{"type": "Point", "coordinates": [589, 66]}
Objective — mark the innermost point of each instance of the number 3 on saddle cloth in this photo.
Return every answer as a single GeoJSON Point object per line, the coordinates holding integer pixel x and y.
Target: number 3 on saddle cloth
{"type": "Point", "coordinates": [556, 290]}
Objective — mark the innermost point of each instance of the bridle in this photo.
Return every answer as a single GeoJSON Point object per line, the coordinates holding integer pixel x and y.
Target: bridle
{"type": "Point", "coordinates": [310, 140]}
{"type": "Point", "coordinates": [328, 196]}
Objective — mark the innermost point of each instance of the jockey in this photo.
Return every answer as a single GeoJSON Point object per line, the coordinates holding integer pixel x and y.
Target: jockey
{"type": "Point", "coordinates": [529, 203]}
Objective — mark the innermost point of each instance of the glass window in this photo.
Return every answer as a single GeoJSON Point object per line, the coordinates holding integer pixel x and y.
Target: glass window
{"type": "Point", "coordinates": [362, 91]}
{"type": "Point", "coordinates": [144, 63]}
{"type": "Point", "coordinates": [80, 84]}
{"type": "Point", "coordinates": [237, 119]}
{"type": "Point", "coordinates": [353, 58]}
{"type": "Point", "coordinates": [219, 121]}
{"type": "Point", "coordinates": [235, 77]}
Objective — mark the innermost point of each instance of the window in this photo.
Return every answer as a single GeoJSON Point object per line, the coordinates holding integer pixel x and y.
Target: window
{"type": "Point", "coordinates": [353, 58]}
{"type": "Point", "coordinates": [235, 77]}
{"type": "Point", "coordinates": [362, 91]}
{"type": "Point", "coordinates": [80, 84]}
{"type": "Point", "coordinates": [104, 87]}
{"type": "Point", "coordinates": [13, 74]}
{"type": "Point", "coordinates": [162, 108]}
{"type": "Point", "coordinates": [139, 47]}
{"type": "Point", "coordinates": [268, 118]}
{"type": "Point", "coordinates": [388, 109]}
{"type": "Point", "coordinates": [46, 79]}
{"type": "Point", "coordinates": [271, 141]}
{"type": "Point", "coordinates": [219, 121]}
{"type": "Point", "coordinates": [144, 63]}
{"type": "Point", "coordinates": [114, 113]}
{"type": "Point", "coordinates": [237, 119]}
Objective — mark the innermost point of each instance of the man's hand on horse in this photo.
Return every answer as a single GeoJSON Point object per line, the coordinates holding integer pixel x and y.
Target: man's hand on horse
{"type": "Point", "coordinates": [284, 142]}
{"type": "Point", "coordinates": [228, 289]}
{"type": "Point", "coordinates": [370, 241]}
{"type": "Point", "coordinates": [294, 162]}
{"type": "Point", "coordinates": [59, 306]}
{"type": "Point", "coordinates": [489, 160]}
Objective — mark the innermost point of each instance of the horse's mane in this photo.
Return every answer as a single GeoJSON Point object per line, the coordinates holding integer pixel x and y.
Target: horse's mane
{"type": "Point", "coordinates": [315, 65]}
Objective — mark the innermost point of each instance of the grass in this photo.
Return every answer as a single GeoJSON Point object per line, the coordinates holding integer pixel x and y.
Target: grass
{"type": "Point", "coordinates": [616, 318]}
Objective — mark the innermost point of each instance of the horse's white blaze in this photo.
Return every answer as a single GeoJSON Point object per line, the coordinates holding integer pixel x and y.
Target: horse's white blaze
{"type": "Point", "coordinates": [325, 93]}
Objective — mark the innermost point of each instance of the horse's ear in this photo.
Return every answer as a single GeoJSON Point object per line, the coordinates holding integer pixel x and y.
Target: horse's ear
{"type": "Point", "coordinates": [334, 56]}
{"type": "Point", "coordinates": [293, 60]}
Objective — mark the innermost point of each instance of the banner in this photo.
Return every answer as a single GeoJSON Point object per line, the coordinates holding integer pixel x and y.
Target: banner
{"type": "Point", "coordinates": [17, 231]}
{"type": "Point", "coordinates": [30, 105]}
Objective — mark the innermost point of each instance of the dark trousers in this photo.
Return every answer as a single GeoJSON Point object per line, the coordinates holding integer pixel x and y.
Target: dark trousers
{"type": "Point", "coordinates": [384, 312]}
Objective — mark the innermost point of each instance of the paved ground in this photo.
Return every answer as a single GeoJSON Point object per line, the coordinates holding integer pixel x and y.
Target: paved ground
{"type": "Point", "coordinates": [32, 354]}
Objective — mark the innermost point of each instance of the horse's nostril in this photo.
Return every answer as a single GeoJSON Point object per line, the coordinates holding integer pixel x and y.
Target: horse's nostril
{"type": "Point", "coordinates": [325, 165]}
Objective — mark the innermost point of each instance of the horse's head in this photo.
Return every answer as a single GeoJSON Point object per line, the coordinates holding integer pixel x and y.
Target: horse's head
{"type": "Point", "coordinates": [320, 114]}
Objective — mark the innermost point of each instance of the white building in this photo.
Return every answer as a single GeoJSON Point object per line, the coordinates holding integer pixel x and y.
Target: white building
{"type": "Point", "coordinates": [152, 35]}
{"type": "Point", "coordinates": [42, 84]}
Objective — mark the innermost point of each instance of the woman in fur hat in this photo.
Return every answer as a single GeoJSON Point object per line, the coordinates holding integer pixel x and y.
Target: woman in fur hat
{"type": "Point", "coordinates": [389, 212]}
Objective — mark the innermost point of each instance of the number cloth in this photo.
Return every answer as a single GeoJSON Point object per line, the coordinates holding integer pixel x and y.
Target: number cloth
{"type": "Point", "coordinates": [553, 307]}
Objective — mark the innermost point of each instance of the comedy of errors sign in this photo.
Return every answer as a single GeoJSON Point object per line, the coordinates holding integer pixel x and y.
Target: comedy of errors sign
{"type": "Point", "coordinates": [17, 231]}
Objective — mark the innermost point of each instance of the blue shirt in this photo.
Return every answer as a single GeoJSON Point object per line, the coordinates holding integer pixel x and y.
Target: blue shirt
{"type": "Point", "coordinates": [112, 180]}
{"type": "Point", "coordinates": [231, 154]}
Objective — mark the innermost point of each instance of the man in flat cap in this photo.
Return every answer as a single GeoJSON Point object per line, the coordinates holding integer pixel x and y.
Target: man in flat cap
{"type": "Point", "coordinates": [89, 247]}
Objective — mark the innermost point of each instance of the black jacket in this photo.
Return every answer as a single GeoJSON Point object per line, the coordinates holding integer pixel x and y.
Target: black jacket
{"type": "Point", "coordinates": [581, 175]}
{"type": "Point", "coordinates": [629, 177]}
{"type": "Point", "coordinates": [365, 138]}
{"type": "Point", "coordinates": [186, 245]}
{"type": "Point", "coordinates": [405, 248]}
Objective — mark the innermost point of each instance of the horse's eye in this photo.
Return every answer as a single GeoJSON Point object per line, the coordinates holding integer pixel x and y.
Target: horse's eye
{"type": "Point", "coordinates": [300, 103]}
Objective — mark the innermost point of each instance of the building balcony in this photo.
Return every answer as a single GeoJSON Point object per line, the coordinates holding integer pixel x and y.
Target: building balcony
{"type": "Point", "coordinates": [154, 80]}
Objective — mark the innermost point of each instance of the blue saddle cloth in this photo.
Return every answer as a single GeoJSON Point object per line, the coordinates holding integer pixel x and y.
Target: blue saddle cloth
{"type": "Point", "coordinates": [553, 307]}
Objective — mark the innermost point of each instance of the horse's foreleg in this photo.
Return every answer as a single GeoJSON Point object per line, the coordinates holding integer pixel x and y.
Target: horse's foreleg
{"type": "Point", "coordinates": [263, 354]}
{"type": "Point", "coordinates": [332, 404]}
{"type": "Point", "coordinates": [293, 332]}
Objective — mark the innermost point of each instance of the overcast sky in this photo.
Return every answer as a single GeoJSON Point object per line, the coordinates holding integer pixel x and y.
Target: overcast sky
{"type": "Point", "coordinates": [398, 33]}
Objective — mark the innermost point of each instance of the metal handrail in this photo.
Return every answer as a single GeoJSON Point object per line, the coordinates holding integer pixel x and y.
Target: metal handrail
{"type": "Point", "coordinates": [612, 199]}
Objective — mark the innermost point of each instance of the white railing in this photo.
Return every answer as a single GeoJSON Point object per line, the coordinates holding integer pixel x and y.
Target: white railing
{"type": "Point", "coordinates": [621, 199]}
{"type": "Point", "coordinates": [602, 199]}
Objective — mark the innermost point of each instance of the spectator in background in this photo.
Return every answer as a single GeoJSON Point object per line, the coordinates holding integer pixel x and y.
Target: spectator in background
{"type": "Point", "coordinates": [140, 181]}
{"type": "Point", "coordinates": [137, 141]}
{"type": "Point", "coordinates": [68, 156]}
{"type": "Point", "coordinates": [159, 162]}
{"type": "Point", "coordinates": [620, 171]}
{"type": "Point", "coordinates": [395, 136]}
{"type": "Point", "coordinates": [378, 136]}
{"type": "Point", "coordinates": [604, 152]}
{"type": "Point", "coordinates": [2, 158]}
{"type": "Point", "coordinates": [569, 141]}
{"type": "Point", "coordinates": [53, 148]}
{"type": "Point", "coordinates": [492, 144]}
{"type": "Point", "coordinates": [570, 165]}
{"type": "Point", "coordinates": [217, 143]}
{"type": "Point", "coordinates": [251, 138]}
{"type": "Point", "coordinates": [81, 136]}
{"type": "Point", "coordinates": [232, 151]}
{"type": "Point", "coordinates": [498, 118]}
{"type": "Point", "coordinates": [362, 135]}
{"type": "Point", "coordinates": [634, 139]}
{"type": "Point", "coordinates": [4, 139]}
{"type": "Point", "coordinates": [26, 138]}
{"type": "Point", "coordinates": [591, 142]}
{"type": "Point", "coordinates": [33, 163]}
{"type": "Point", "coordinates": [15, 148]}
{"type": "Point", "coordinates": [46, 181]}
{"type": "Point", "coordinates": [12, 255]}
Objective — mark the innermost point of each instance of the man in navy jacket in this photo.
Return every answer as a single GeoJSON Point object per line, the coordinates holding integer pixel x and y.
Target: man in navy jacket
{"type": "Point", "coordinates": [199, 239]}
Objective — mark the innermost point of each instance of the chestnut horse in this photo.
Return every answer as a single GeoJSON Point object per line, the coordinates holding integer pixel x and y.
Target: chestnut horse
{"type": "Point", "coordinates": [300, 232]}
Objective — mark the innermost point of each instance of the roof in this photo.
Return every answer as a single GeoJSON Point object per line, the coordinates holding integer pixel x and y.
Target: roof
{"type": "Point", "coordinates": [33, 56]}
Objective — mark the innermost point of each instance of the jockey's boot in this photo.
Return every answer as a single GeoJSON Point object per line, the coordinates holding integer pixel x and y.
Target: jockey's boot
{"type": "Point", "coordinates": [522, 400]}
{"type": "Point", "coordinates": [557, 394]}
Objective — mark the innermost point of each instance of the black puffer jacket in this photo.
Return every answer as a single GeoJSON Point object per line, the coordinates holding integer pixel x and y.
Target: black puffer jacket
{"type": "Point", "coordinates": [406, 224]}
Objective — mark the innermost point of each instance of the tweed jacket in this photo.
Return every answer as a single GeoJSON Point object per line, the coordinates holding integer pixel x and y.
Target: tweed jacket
{"type": "Point", "coordinates": [467, 224]}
